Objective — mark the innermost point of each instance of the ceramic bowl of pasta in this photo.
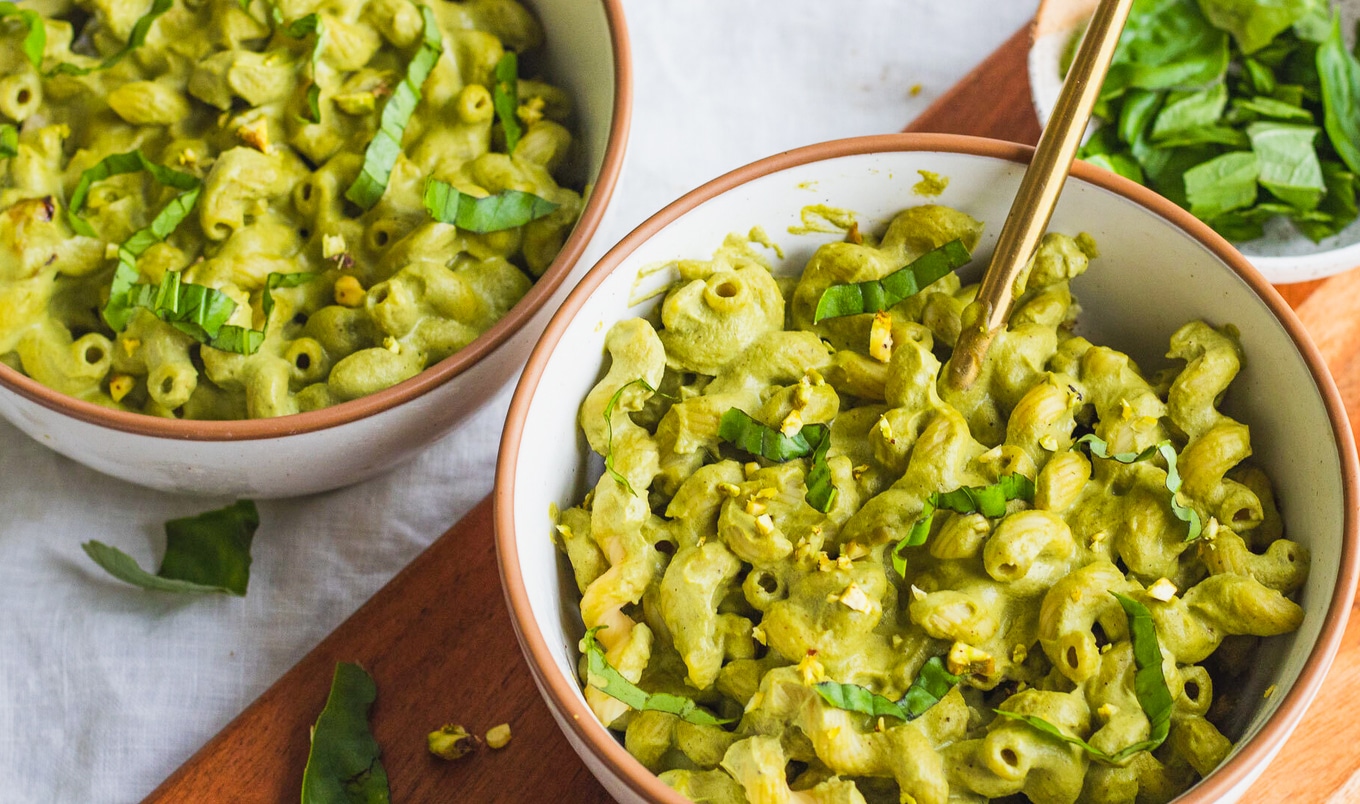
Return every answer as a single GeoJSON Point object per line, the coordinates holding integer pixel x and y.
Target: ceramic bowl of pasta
{"type": "Point", "coordinates": [1244, 112]}
{"type": "Point", "coordinates": [758, 549]}
{"type": "Point", "coordinates": [272, 248]}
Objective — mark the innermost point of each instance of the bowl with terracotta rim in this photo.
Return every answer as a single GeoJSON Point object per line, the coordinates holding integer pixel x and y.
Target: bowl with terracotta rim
{"type": "Point", "coordinates": [1159, 268]}
{"type": "Point", "coordinates": [587, 52]}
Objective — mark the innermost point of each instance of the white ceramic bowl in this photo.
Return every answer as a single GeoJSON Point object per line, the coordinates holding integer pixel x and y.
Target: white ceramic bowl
{"type": "Point", "coordinates": [1159, 268]}
{"type": "Point", "coordinates": [1283, 254]}
{"type": "Point", "coordinates": [586, 51]}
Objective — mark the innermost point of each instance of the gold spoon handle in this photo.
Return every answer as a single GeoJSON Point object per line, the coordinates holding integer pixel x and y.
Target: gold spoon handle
{"type": "Point", "coordinates": [1039, 189]}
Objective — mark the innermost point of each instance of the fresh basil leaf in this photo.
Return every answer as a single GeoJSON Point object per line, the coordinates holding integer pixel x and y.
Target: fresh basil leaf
{"type": "Point", "coordinates": [1339, 204]}
{"type": "Point", "coordinates": [1253, 23]}
{"type": "Point", "coordinates": [1184, 513]}
{"type": "Point", "coordinates": [1315, 22]}
{"type": "Point", "coordinates": [1206, 135]}
{"type": "Point", "coordinates": [1191, 110]}
{"type": "Point", "coordinates": [931, 684]}
{"type": "Point", "coordinates": [505, 99]}
{"type": "Point", "coordinates": [1123, 164]}
{"type": "Point", "coordinates": [990, 501]}
{"type": "Point", "coordinates": [1139, 110]}
{"type": "Point", "coordinates": [1149, 687]}
{"type": "Point", "coordinates": [136, 39]}
{"type": "Point", "coordinates": [1289, 163]}
{"type": "Point", "coordinates": [739, 429]}
{"type": "Point", "coordinates": [603, 677]}
{"type": "Point", "coordinates": [492, 213]}
{"type": "Point", "coordinates": [385, 147]}
{"type": "Point", "coordinates": [9, 141]}
{"type": "Point", "coordinates": [119, 164]}
{"type": "Point", "coordinates": [1271, 108]}
{"type": "Point", "coordinates": [1339, 75]}
{"type": "Point", "coordinates": [35, 39]}
{"type": "Point", "coordinates": [1221, 184]}
{"type": "Point", "coordinates": [300, 29]}
{"type": "Point", "coordinates": [880, 294]}
{"type": "Point", "coordinates": [609, 429]}
{"type": "Point", "coordinates": [1167, 44]}
{"type": "Point", "coordinates": [205, 553]}
{"type": "Point", "coordinates": [343, 765]}
{"type": "Point", "coordinates": [821, 492]}
{"type": "Point", "coordinates": [1262, 78]}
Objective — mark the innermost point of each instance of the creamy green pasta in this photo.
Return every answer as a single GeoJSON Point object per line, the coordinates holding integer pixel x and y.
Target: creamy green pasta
{"type": "Point", "coordinates": [965, 618]}
{"type": "Point", "coordinates": [216, 209]}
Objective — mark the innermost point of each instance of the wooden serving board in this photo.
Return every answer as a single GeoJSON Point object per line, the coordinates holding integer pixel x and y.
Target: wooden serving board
{"type": "Point", "coordinates": [439, 642]}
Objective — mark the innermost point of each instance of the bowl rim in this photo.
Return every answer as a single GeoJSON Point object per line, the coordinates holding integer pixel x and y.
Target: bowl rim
{"type": "Point", "coordinates": [600, 193]}
{"type": "Point", "coordinates": [561, 693]}
{"type": "Point", "coordinates": [1062, 17]}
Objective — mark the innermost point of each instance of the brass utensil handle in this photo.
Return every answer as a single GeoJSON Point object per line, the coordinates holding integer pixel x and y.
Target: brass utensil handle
{"type": "Point", "coordinates": [1039, 190]}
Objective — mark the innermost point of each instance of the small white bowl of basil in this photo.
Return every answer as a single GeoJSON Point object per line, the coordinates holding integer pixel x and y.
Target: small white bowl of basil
{"type": "Point", "coordinates": [1245, 112]}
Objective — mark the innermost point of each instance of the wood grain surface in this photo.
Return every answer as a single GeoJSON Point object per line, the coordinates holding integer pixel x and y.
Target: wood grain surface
{"type": "Point", "coordinates": [439, 642]}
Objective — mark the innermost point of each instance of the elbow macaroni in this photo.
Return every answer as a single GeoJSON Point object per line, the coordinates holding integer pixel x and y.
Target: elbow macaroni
{"type": "Point", "coordinates": [718, 581]}
{"type": "Point", "coordinates": [219, 92]}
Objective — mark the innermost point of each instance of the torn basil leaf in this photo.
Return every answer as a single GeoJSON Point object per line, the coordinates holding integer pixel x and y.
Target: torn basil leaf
{"type": "Point", "coordinates": [344, 765]}
{"type": "Point", "coordinates": [9, 141]}
{"type": "Point", "coordinates": [609, 430]}
{"type": "Point", "coordinates": [1149, 687]}
{"type": "Point", "coordinates": [299, 29]}
{"type": "Point", "coordinates": [1184, 513]}
{"type": "Point", "coordinates": [990, 501]}
{"type": "Point", "coordinates": [603, 677]}
{"type": "Point", "coordinates": [35, 38]}
{"type": "Point", "coordinates": [205, 553]}
{"type": "Point", "coordinates": [505, 99]}
{"type": "Point", "coordinates": [1289, 163]}
{"type": "Point", "coordinates": [136, 39]}
{"type": "Point", "coordinates": [931, 684]}
{"type": "Point", "coordinates": [821, 492]}
{"type": "Point", "coordinates": [737, 428]}
{"type": "Point", "coordinates": [493, 213]}
{"type": "Point", "coordinates": [385, 147]}
{"type": "Point", "coordinates": [880, 294]}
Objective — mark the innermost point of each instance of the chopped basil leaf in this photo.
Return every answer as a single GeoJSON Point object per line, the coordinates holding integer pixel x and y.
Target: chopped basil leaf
{"type": "Point", "coordinates": [880, 294]}
{"type": "Point", "coordinates": [603, 677]}
{"type": "Point", "coordinates": [990, 501]}
{"type": "Point", "coordinates": [385, 147]}
{"type": "Point", "coordinates": [135, 40]}
{"type": "Point", "coordinates": [931, 684]}
{"type": "Point", "coordinates": [1149, 685]}
{"type": "Point", "coordinates": [205, 553]}
{"type": "Point", "coordinates": [9, 141]}
{"type": "Point", "coordinates": [132, 162]}
{"type": "Point", "coordinates": [505, 99]}
{"type": "Point", "coordinates": [1184, 513]}
{"type": "Point", "coordinates": [299, 29]}
{"type": "Point", "coordinates": [493, 213]}
{"type": "Point", "coordinates": [609, 430]}
{"type": "Point", "coordinates": [343, 765]}
{"type": "Point", "coordinates": [35, 39]}
{"type": "Point", "coordinates": [737, 428]}
{"type": "Point", "coordinates": [1222, 184]}
{"type": "Point", "coordinates": [1339, 75]}
{"type": "Point", "coordinates": [1289, 163]}
{"type": "Point", "coordinates": [821, 492]}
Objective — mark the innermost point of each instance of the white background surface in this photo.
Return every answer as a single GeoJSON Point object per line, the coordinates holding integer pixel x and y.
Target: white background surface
{"type": "Point", "coordinates": [105, 689]}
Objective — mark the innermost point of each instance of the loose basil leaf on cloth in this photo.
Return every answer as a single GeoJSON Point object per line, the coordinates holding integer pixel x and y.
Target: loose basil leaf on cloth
{"type": "Point", "coordinates": [205, 553]}
{"type": "Point", "coordinates": [1288, 162]}
{"type": "Point", "coordinates": [493, 213]}
{"type": "Point", "coordinates": [1184, 513]}
{"type": "Point", "coordinates": [505, 99]}
{"type": "Point", "coordinates": [1339, 75]}
{"type": "Point", "coordinates": [990, 501]}
{"type": "Point", "coordinates": [609, 430]}
{"type": "Point", "coordinates": [299, 29]}
{"type": "Point", "coordinates": [35, 39]}
{"type": "Point", "coordinates": [603, 677]}
{"type": "Point", "coordinates": [343, 765]}
{"type": "Point", "coordinates": [1149, 686]}
{"type": "Point", "coordinates": [136, 39]}
{"type": "Point", "coordinates": [9, 141]}
{"type": "Point", "coordinates": [932, 683]}
{"type": "Point", "coordinates": [383, 150]}
{"type": "Point", "coordinates": [880, 294]}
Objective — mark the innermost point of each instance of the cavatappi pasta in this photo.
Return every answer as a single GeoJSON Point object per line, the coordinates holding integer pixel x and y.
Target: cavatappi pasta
{"type": "Point", "coordinates": [265, 117]}
{"type": "Point", "coordinates": [706, 573]}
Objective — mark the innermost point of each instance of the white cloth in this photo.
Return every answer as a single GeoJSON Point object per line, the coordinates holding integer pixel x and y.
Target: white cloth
{"type": "Point", "coordinates": [105, 689]}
